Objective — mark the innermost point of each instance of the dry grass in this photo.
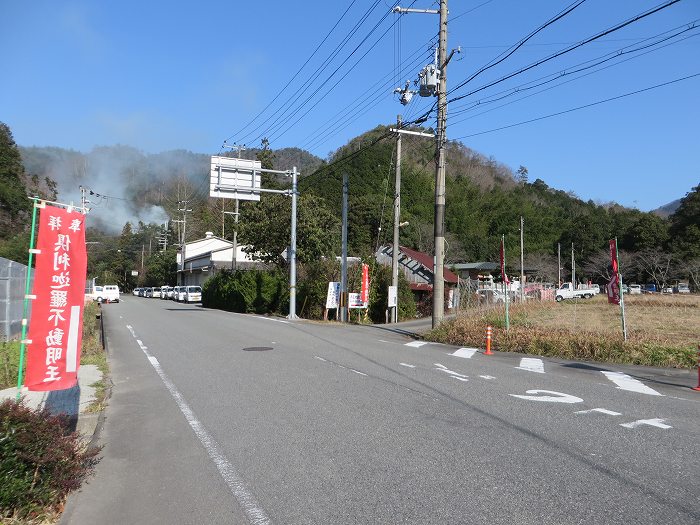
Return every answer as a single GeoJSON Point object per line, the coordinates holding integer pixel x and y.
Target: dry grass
{"type": "Point", "coordinates": [662, 330]}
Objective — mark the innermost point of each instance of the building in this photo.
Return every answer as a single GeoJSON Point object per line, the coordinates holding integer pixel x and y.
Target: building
{"type": "Point", "coordinates": [205, 257]}
{"type": "Point", "coordinates": [417, 267]}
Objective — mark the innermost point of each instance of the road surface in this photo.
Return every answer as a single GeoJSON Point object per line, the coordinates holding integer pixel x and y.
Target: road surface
{"type": "Point", "coordinates": [218, 417]}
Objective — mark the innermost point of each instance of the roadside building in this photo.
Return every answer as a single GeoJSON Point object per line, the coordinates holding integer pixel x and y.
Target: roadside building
{"type": "Point", "coordinates": [205, 257]}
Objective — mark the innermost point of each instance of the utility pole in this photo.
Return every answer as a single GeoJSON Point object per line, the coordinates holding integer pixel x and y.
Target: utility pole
{"type": "Point", "coordinates": [573, 267]}
{"type": "Point", "coordinates": [522, 264]}
{"type": "Point", "coordinates": [441, 142]}
{"type": "Point", "coordinates": [183, 242]}
{"type": "Point", "coordinates": [292, 248]}
{"type": "Point", "coordinates": [439, 227]}
{"type": "Point", "coordinates": [397, 218]}
{"type": "Point", "coordinates": [558, 264]}
{"type": "Point", "coordinates": [343, 307]}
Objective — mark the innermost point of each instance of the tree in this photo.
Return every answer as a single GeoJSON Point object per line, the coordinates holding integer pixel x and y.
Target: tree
{"type": "Point", "coordinates": [266, 228]}
{"type": "Point", "coordinates": [685, 226]}
{"type": "Point", "coordinates": [656, 264]}
{"type": "Point", "coordinates": [14, 205]}
{"type": "Point", "coordinates": [522, 174]}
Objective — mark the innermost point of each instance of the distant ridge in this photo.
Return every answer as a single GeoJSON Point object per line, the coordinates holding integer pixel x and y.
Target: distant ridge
{"type": "Point", "coordinates": [667, 210]}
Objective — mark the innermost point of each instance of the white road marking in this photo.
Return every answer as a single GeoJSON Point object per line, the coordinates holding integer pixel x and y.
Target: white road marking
{"type": "Point", "coordinates": [131, 330]}
{"type": "Point", "coordinates": [556, 397]}
{"type": "Point", "coordinates": [320, 358]}
{"type": "Point", "coordinates": [143, 347]}
{"type": "Point", "coordinates": [406, 364]}
{"type": "Point", "coordinates": [340, 366]}
{"type": "Point", "coordinates": [271, 319]}
{"type": "Point", "coordinates": [625, 382]}
{"type": "Point", "coordinates": [487, 377]}
{"type": "Point", "coordinates": [443, 368]}
{"type": "Point", "coordinates": [466, 353]}
{"type": "Point", "coordinates": [601, 410]}
{"type": "Point", "coordinates": [416, 344]}
{"type": "Point", "coordinates": [357, 372]}
{"type": "Point", "coordinates": [531, 364]}
{"type": "Point", "coordinates": [656, 422]}
{"type": "Point", "coordinates": [256, 514]}
{"type": "Point", "coordinates": [459, 378]}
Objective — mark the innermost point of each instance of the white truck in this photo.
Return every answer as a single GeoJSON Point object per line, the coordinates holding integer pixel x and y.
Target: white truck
{"type": "Point", "coordinates": [568, 291]}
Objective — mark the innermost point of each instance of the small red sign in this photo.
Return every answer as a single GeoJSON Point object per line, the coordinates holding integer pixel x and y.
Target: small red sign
{"type": "Point", "coordinates": [56, 324]}
{"type": "Point", "coordinates": [364, 295]}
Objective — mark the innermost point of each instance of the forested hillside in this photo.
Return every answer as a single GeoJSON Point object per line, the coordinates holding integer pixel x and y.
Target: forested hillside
{"type": "Point", "coordinates": [135, 196]}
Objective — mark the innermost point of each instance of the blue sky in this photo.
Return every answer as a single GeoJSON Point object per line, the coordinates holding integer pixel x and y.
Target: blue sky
{"type": "Point", "coordinates": [188, 75]}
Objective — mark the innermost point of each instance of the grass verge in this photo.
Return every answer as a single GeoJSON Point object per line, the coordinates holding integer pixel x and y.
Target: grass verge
{"type": "Point", "coordinates": [662, 330]}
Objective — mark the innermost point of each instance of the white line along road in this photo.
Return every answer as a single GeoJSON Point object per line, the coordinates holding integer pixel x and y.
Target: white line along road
{"type": "Point", "coordinates": [531, 365]}
{"type": "Point", "coordinates": [625, 382]}
{"type": "Point", "coordinates": [255, 513]}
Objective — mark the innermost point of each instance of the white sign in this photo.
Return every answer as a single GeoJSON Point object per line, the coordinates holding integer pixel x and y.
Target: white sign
{"type": "Point", "coordinates": [333, 294]}
{"type": "Point", "coordinates": [392, 297]}
{"type": "Point", "coordinates": [355, 301]}
{"type": "Point", "coordinates": [235, 178]}
{"type": "Point", "coordinates": [134, 273]}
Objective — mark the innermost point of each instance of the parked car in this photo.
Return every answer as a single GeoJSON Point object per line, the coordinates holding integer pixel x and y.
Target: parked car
{"type": "Point", "coordinates": [164, 291]}
{"type": "Point", "coordinates": [635, 289]}
{"type": "Point", "coordinates": [193, 294]}
{"type": "Point", "coordinates": [110, 293]}
{"type": "Point", "coordinates": [649, 288]}
{"type": "Point", "coordinates": [136, 291]}
{"type": "Point", "coordinates": [681, 288]}
{"type": "Point", "coordinates": [491, 296]}
{"type": "Point", "coordinates": [171, 292]}
{"type": "Point", "coordinates": [625, 289]}
{"type": "Point", "coordinates": [567, 291]}
{"type": "Point", "coordinates": [180, 294]}
{"type": "Point", "coordinates": [148, 292]}
{"type": "Point", "coordinates": [667, 289]}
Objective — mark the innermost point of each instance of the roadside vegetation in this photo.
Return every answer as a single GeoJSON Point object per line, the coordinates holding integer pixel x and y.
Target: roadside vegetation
{"type": "Point", "coordinates": [41, 459]}
{"type": "Point", "coordinates": [662, 330]}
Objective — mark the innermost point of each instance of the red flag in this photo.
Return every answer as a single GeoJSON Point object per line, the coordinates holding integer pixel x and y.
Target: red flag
{"type": "Point", "coordinates": [503, 263]}
{"type": "Point", "coordinates": [364, 293]}
{"type": "Point", "coordinates": [614, 283]}
{"type": "Point", "coordinates": [56, 325]}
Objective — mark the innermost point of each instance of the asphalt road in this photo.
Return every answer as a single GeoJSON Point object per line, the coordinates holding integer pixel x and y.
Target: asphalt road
{"type": "Point", "coordinates": [218, 417]}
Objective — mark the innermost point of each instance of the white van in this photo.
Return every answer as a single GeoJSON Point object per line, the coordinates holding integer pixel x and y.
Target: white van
{"type": "Point", "coordinates": [110, 293]}
{"type": "Point", "coordinates": [193, 294]}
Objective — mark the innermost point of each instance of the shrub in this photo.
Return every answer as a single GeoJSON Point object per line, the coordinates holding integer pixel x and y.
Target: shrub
{"type": "Point", "coordinates": [246, 291]}
{"type": "Point", "coordinates": [40, 461]}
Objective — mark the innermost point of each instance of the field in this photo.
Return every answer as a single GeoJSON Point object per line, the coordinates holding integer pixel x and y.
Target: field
{"type": "Point", "coordinates": [662, 330]}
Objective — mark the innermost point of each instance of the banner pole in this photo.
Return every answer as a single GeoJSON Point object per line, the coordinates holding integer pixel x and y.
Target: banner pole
{"type": "Point", "coordinates": [25, 305]}
{"type": "Point", "coordinates": [622, 293]}
{"type": "Point", "coordinates": [505, 280]}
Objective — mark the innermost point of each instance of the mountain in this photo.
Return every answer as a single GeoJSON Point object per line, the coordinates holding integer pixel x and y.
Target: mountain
{"type": "Point", "coordinates": [667, 210]}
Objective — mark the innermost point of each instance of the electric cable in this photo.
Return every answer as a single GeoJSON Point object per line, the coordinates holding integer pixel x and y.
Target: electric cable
{"type": "Point", "coordinates": [570, 110]}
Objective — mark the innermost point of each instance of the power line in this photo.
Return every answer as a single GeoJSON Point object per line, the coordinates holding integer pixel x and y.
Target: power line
{"type": "Point", "coordinates": [318, 47]}
{"type": "Point", "coordinates": [570, 110]}
{"type": "Point", "coordinates": [584, 66]}
{"type": "Point", "coordinates": [300, 92]}
{"type": "Point", "coordinates": [608, 31]}
{"type": "Point", "coordinates": [503, 56]}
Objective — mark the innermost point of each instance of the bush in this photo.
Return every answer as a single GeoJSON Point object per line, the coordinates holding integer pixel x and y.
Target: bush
{"type": "Point", "coordinates": [40, 461]}
{"type": "Point", "coordinates": [246, 291]}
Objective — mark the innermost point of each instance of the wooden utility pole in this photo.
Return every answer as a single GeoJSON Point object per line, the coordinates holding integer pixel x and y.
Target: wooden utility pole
{"type": "Point", "coordinates": [397, 218]}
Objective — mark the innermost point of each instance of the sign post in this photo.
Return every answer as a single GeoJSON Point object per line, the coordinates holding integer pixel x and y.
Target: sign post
{"type": "Point", "coordinates": [615, 292]}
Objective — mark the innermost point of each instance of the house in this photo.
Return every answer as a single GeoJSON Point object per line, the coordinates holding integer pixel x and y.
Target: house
{"type": "Point", "coordinates": [417, 267]}
{"type": "Point", "coordinates": [204, 257]}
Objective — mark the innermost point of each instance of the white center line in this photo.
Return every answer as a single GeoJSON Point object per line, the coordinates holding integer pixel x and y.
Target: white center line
{"type": "Point", "coordinates": [625, 382]}
{"type": "Point", "coordinates": [407, 365]}
{"type": "Point", "coordinates": [531, 364]}
{"type": "Point", "coordinates": [466, 353]}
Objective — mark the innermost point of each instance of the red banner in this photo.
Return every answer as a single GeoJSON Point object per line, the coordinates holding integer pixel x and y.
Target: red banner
{"type": "Point", "coordinates": [56, 325]}
{"type": "Point", "coordinates": [614, 283]}
{"type": "Point", "coordinates": [364, 293]}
